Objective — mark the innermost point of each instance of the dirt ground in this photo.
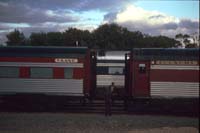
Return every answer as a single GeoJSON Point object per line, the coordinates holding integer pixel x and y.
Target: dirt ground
{"type": "Point", "coordinates": [94, 123]}
{"type": "Point", "coordinates": [168, 130]}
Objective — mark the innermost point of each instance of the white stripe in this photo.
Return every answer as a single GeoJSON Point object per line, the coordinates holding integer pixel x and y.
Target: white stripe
{"type": "Point", "coordinates": [175, 89]}
{"type": "Point", "coordinates": [28, 64]}
{"type": "Point", "coordinates": [112, 57]}
{"type": "Point", "coordinates": [174, 67]}
{"type": "Point", "coordinates": [46, 86]}
{"type": "Point", "coordinates": [111, 64]}
{"type": "Point", "coordinates": [106, 80]}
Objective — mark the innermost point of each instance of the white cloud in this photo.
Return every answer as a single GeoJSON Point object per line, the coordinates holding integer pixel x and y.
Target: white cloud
{"type": "Point", "coordinates": [152, 22]}
{"type": "Point", "coordinates": [137, 14]}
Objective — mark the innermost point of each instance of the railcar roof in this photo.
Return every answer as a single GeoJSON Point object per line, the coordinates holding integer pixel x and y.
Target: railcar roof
{"type": "Point", "coordinates": [111, 55]}
{"type": "Point", "coordinates": [166, 53]}
{"type": "Point", "coordinates": [35, 51]}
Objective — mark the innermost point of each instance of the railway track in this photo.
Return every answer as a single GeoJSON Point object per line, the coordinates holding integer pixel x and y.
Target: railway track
{"type": "Point", "coordinates": [98, 106]}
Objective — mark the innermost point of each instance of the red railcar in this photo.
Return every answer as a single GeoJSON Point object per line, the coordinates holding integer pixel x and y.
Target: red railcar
{"type": "Point", "coordinates": [159, 73]}
{"type": "Point", "coordinates": [60, 71]}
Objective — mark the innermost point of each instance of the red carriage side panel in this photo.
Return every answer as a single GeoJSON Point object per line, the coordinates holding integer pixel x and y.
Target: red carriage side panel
{"type": "Point", "coordinates": [24, 72]}
{"type": "Point", "coordinates": [174, 75]}
{"type": "Point", "coordinates": [179, 79]}
{"type": "Point", "coordinates": [58, 73]}
{"type": "Point", "coordinates": [78, 73]}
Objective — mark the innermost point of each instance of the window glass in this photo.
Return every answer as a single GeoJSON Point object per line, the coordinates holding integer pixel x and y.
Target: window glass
{"type": "Point", "coordinates": [110, 70]}
{"type": "Point", "coordinates": [116, 70]}
{"type": "Point", "coordinates": [41, 72]}
{"type": "Point", "coordinates": [68, 73]}
{"type": "Point", "coordinates": [142, 68]}
{"type": "Point", "coordinates": [9, 72]}
{"type": "Point", "coordinates": [102, 70]}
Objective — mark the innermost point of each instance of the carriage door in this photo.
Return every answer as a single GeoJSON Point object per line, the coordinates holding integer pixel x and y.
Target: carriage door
{"type": "Point", "coordinates": [141, 82]}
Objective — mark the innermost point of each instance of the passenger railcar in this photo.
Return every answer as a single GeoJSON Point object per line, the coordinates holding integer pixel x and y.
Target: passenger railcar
{"type": "Point", "coordinates": [57, 71]}
{"type": "Point", "coordinates": [110, 68]}
{"type": "Point", "coordinates": [161, 73]}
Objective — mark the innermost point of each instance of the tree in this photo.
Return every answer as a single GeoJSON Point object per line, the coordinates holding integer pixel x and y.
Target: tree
{"type": "Point", "coordinates": [15, 38]}
{"type": "Point", "coordinates": [184, 39]}
{"type": "Point", "coordinates": [191, 45]}
{"type": "Point", "coordinates": [55, 39]}
{"type": "Point", "coordinates": [185, 36]}
{"type": "Point", "coordinates": [109, 36]}
{"type": "Point", "coordinates": [179, 36]}
{"type": "Point", "coordinates": [38, 39]}
{"type": "Point", "coordinates": [73, 36]}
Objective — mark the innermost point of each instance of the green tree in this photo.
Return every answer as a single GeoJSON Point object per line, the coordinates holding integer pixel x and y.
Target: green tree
{"type": "Point", "coordinates": [179, 36]}
{"type": "Point", "coordinates": [109, 36]}
{"type": "Point", "coordinates": [186, 36]}
{"type": "Point", "coordinates": [186, 41]}
{"type": "Point", "coordinates": [73, 37]}
{"type": "Point", "coordinates": [38, 39]}
{"type": "Point", "coordinates": [15, 38]}
{"type": "Point", "coordinates": [191, 45]}
{"type": "Point", "coordinates": [55, 39]}
{"type": "Point", "coordinates": [159, 42]}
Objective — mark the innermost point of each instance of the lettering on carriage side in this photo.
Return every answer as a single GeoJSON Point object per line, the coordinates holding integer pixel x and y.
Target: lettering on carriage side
{"type": "Point", "coordinates": [169, 62]}
{"type": "Point", "coordinates": [66, 60]}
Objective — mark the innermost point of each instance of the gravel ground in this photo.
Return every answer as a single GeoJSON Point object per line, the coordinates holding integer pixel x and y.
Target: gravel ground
{"type": "Point", "coordinates": [94, 123]}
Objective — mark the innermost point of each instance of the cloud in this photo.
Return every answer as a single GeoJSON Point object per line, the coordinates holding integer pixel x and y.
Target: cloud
{"type": "Point", "coordinates": [136, 14]}
{"type": "Point", "coordinates": [24, 17]}
{"type": "Point", "coordinates": [57, 15]}
{"type": "Point", "coordinates": [187, 23]}
{"type": "Point", "coordinates": [78, 5]}
{"type": "Point", "coordinates": [110, 17]}
{"type": "Point", "coordinates": [51, 15]}
{"type": "Point", "coordinates": [11, 13]}
{"type": "Point", "coordinates": [152, 22]}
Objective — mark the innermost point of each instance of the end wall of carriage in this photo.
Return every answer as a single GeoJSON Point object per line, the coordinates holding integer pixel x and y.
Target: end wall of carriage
{"type": "Point", "coordinates": [110, 68]}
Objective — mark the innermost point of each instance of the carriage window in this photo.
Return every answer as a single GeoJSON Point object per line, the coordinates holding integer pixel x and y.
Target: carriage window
{"type": "Point", "coordinates": [37, 72]}
{"type": "Point", "coordinates": [9, 72]}
{"type": "Point", "coordinates": [142, 68]}
{"type": "Point", "coordinates": [102, 70]}
{"type": "Point", "coordinates": [116, 70]}
{"type": "Point", "coordinates": [68, 73]}
{"type": "Point", "coordinates": [105, 70]}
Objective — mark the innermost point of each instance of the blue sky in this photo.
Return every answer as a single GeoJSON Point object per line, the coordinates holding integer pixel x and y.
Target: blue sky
{"type": "Point", "coordinates": [177, 8]}
{"type": "Point", "coordinates": [153, 17]}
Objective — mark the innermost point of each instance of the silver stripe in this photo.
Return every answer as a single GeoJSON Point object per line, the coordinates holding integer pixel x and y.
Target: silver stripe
{"type": "Point", "coordinates": [46, 86]}
{"type": "Point", "coordinates": [27, 64]}
{"type": "Point", "coordinates": [106, 80]}
{"type": "Point", "coordinates": [175, 67]}
{"type": "Point", "coordinates": [175, 89]}
{"type": "Point", "coordinates": [111, 64]}
{"type": "Point", "coordinates": [111, 57]}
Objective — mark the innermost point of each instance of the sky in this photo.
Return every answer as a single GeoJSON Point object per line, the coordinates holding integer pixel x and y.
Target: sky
{"type": "Point", "coordinates": [153, 17]}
